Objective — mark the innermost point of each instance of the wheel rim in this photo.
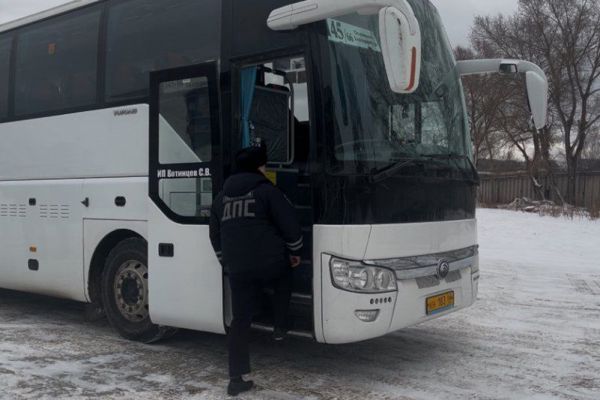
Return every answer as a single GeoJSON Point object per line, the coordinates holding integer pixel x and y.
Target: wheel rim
{"type": "Point", "coordinates": [131, 290]}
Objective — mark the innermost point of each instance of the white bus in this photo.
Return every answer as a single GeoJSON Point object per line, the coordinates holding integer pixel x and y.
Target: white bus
{"type": "Point", "coordinates": [119, 120]}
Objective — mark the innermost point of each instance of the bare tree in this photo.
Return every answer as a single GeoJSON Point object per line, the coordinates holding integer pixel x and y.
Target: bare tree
{"type": "Point", "coordinates": [592, 148]}
{"type": "Point", "coordinates": [563, 36]}
{"type": "Point", "coordinates": [533, 145]}
{"type": "Point", "coordinates": [484, 97]}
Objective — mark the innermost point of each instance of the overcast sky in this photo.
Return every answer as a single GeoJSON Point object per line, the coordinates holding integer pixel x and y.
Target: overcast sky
{"type": "Point", "coordinates": [457, 14]}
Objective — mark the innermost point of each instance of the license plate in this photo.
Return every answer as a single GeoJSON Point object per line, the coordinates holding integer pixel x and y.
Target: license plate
{"type": "Point", "coordinates": [440, 303]}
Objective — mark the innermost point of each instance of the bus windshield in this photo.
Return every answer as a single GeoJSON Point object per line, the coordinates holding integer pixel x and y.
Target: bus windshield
{"type": "Point", "coordinates": [371, 126]}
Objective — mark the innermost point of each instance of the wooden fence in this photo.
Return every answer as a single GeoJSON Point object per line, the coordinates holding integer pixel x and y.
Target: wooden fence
{"type": "Point", "coordinates": [504, 188]}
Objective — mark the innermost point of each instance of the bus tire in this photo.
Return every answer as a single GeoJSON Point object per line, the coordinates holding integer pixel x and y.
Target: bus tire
{"type": "Point", "coordinates": [125, 292]}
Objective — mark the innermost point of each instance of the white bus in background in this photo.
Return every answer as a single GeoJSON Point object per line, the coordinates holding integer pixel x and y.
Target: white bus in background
{"type": "Point", "coordinates": [119, 120]}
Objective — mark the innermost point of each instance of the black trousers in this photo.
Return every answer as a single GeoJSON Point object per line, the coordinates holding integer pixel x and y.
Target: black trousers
{"type": "Point", "coordinates": [245, 290]}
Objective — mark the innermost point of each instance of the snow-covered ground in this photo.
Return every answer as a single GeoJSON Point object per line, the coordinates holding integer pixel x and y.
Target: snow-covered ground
{"type": "Point", "coordinates": [533, 334]}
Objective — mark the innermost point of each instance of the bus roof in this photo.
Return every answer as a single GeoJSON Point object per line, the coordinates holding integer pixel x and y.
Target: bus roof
{"type": "Point", "coordinates": [71, 5]}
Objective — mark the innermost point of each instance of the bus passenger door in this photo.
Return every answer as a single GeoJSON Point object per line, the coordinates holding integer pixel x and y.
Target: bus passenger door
{"type": "Point", "coordinates": [185, 277]}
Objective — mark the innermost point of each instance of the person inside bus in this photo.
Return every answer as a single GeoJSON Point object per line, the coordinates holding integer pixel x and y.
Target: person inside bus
{"type": "Point", "coordinates": [256, 235]}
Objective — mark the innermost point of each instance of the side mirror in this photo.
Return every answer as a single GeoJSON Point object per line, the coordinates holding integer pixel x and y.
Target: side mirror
{"type": "Point", "coordinates": [400, 38]}
{"type": "Point", "coordinates": [537, 83]}
{"type": "Point", "coordinates": [537, 94]}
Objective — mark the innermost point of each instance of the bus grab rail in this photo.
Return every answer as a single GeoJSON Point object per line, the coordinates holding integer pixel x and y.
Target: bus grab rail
{"type": "Point", "coordinates": [305, 12]}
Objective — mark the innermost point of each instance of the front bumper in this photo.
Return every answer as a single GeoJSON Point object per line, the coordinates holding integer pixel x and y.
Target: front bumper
{"type": "Point", "coordinates": [335, 318]}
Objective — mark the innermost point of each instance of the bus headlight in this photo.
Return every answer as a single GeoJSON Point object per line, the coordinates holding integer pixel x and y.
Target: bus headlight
{"type": "Point", "coordinates": [356, 277]}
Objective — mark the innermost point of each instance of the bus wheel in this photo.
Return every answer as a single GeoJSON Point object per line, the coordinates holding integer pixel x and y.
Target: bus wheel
{"type": "Point", "coordinates": [125, 292]}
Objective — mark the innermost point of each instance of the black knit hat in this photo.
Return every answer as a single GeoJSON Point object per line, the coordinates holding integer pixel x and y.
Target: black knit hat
{"type": "Point", "coordinates": [250, 159]}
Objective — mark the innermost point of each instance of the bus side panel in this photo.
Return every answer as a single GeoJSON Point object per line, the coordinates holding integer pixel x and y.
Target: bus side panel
{"type": "Point", "coordinates": [13, 249]}
{"type": "Point", "coordinates": [91, 144]}
{"type": "Point", "coordinates": [116, 198]}
{"type": "Point", "coordinates": [47, 160]}
{"type": "Point", "coordinates": [105, 214]}
{"type": "Point", "coordinates": [41, 237]}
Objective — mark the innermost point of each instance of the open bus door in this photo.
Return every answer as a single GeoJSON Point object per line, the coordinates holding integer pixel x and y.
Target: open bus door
{"type": "Point", "coordinates": [185, 277]}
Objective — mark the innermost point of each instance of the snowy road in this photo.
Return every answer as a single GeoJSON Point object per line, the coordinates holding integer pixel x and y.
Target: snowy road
{"type": "Point", "coordinates": [533, 334]}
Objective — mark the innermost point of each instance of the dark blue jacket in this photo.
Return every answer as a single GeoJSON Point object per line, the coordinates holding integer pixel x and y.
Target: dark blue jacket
{"type": "Point", "coordinates": [253, 226]}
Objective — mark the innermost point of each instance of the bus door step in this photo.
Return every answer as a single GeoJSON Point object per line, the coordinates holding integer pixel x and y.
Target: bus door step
{"type": "Point", "coordinates": [295, 333]}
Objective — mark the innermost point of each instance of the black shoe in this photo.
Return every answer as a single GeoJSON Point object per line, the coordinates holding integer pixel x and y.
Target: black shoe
{"type": "Point", "coordinates": [279, 334]}
{"type": "Point", "coordinates": [237, 386]}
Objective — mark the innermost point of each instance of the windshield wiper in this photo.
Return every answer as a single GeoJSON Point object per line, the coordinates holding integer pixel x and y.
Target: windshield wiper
{"type": "Point", "coordinates": [455, 158]}
{"type": "Point", "coordinates": [381, 174]}
{"type": "Point", "coordinates": [390, 170]}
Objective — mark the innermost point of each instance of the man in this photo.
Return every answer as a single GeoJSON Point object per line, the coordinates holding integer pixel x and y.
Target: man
{"type": "Point", "coordinates": [255, 233]}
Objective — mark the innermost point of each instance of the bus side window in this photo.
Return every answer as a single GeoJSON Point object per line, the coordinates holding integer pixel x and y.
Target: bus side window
{"type": "Point", "coordinates": [5, 47]}
{"type": "Point", "coordinates": [150, 35]}
{"type": "Point", "coordinates": [129, 78]}
{"type": "Point", "coordinates": [80, 86]}
{"type": "Point", "coordinates": [49, 55]}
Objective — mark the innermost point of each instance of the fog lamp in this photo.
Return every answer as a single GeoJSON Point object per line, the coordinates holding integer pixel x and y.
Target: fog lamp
{"type": "Point", "coordinates": [367, 315]}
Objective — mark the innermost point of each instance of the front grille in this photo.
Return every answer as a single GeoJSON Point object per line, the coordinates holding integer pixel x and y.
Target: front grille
{"type": "Point", "coordinates": [426, 266]}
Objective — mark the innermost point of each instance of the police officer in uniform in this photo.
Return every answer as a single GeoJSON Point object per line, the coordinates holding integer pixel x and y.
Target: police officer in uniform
{"type": "Point", "coordinates": [255, 233]}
